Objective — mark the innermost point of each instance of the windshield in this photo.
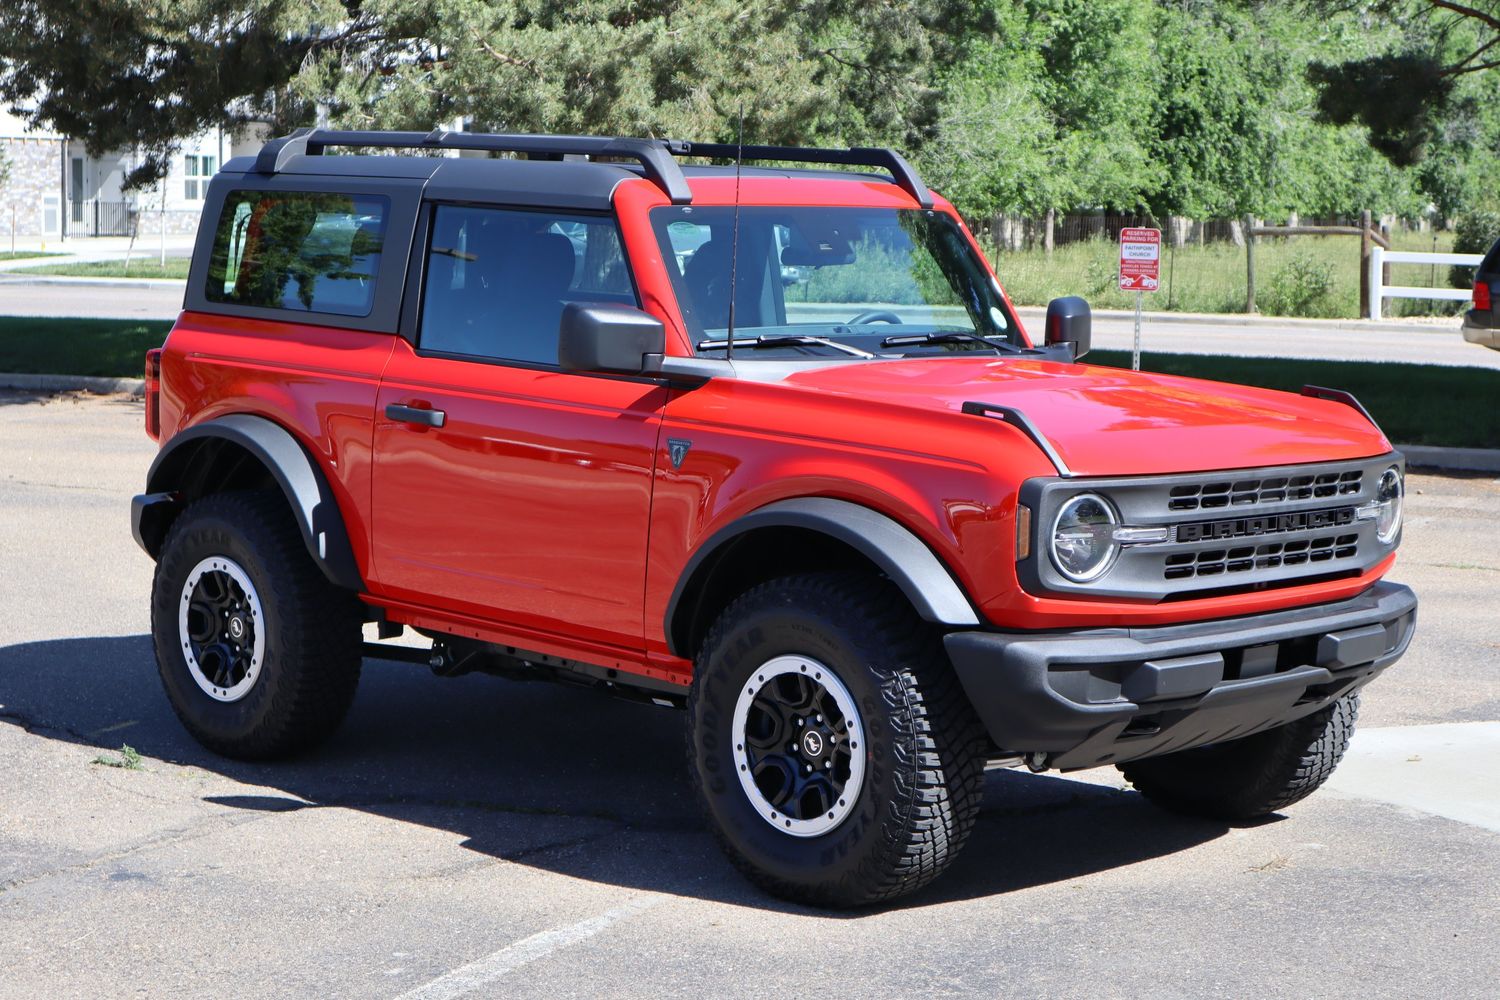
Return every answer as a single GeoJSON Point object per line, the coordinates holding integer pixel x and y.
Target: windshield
{"type": "Point", "coordinates": [836, 282]}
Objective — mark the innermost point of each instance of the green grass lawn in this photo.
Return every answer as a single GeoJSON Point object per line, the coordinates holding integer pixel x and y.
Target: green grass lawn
{"type": "Point", "coordinates": [140, 267]}
{"type": "Point", "coordinates": [57, 346]}
{"type": "Point", "coordinates": [25, 254]}
{"type": "Point", "coordinates": [1414, 404]}
{"type": "Point", "coordinates": [1314, 276]}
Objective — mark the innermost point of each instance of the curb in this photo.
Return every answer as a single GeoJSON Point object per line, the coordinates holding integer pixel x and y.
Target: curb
{"type": "Point", "coordinates": [1039, 313]}
{"type": "Point", "coordinates": [71, 383]}
{"type": "Point", "coordinates": [1421, 456]}
{"type": "Point", "coordinates": [12, 278]}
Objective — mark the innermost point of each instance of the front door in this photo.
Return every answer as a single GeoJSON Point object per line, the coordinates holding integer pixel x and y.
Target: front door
{"type": "Point", "coordinates": [504, 487]}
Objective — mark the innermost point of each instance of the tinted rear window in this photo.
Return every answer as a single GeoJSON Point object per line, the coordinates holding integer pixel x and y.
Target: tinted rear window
{"type": "Point", "coordinates": [298, 250]}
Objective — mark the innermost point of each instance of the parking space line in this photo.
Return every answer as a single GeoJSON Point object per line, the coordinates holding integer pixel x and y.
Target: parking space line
{"type": "Point", "coordinates": [487, 970]}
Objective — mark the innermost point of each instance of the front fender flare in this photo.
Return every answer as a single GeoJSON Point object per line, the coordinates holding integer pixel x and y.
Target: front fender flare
{"type": "Point", "coordinates": [308, 494]}
{"type": "Point", "coordinates": [887, 543]}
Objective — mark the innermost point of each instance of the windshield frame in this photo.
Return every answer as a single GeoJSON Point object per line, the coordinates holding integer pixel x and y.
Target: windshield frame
{"type": "Point", "coordinates": [971, 283]}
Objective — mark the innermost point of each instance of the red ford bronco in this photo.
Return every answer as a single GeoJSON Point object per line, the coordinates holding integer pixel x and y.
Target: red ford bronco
{"type": "Point", "coordinates": [767, 443]}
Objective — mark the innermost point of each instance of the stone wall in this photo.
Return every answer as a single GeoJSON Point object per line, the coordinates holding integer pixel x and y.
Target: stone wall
{"type": "Point", "coordinates": [178, 222]}
{"type": "Point", "coordinates": [35, 173]}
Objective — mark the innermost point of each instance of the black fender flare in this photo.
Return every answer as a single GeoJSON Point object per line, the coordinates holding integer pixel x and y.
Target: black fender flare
{"type": "Point", "coordinates": [308, 494]}
{"type": "Point", "coordinates": [891, 546]}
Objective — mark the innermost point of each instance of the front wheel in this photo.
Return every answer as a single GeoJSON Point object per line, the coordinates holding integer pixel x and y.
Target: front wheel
{"type": "Point", "coordinates": [833, 749]}
{"type": "Point", "coordinates": [1251, 777]}
{"type": "Point", "coordinates": [258, 652]}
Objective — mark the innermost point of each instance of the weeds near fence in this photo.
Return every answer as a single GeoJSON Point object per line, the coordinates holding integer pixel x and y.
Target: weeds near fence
{"type": "Point", "coordinates": [1297, 276]}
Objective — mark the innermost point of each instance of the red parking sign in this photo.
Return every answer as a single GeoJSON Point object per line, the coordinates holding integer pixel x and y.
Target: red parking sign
{"type": "Point", "coordinates": [1140, 260]}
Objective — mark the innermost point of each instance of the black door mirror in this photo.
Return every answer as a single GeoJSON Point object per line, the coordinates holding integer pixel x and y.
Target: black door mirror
{"type": "Point", "coordinates": [595, 338]}
{"type": "Point", "coordinates": [1070, 322]}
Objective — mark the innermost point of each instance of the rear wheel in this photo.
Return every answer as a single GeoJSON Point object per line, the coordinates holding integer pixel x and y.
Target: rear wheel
{"type": "Point", "coordinates": [834, 752]}
{"type": "Point", "coordinates": [258, 652]}
{"type": "Point", "coordinates": [1251, 777]}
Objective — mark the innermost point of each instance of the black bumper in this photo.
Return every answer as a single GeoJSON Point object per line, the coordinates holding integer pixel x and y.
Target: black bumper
{"type": "Point", "coordinates": [1110, 695]}
{"type": "Point", "coordinates": [150, 516]}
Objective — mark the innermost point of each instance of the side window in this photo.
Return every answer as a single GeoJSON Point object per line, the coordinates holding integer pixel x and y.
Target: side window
{"type": "Point", "coordinates": [497, 279]}
{"type": "Point", "coordinates": [298, 250]}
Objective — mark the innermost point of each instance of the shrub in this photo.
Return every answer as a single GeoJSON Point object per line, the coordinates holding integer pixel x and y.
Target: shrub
{"type": "Point", "coordinates": [1303, 286]}
{"type": "Point", "coordinates": [1475, 232]}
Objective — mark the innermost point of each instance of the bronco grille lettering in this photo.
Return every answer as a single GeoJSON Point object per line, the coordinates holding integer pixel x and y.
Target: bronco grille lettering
{"type": "Point", "coordinates": [1271, 524]}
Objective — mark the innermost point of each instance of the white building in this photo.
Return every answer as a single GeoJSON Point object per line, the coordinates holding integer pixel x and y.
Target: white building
{"type": "Point", "coordinates": [56, 190]}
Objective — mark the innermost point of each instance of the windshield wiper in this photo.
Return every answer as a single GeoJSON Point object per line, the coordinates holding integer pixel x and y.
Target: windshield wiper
{"type": "Point", "coordinates": [784, 340]}
{"type": "Point", "coordinates": [947, 337]}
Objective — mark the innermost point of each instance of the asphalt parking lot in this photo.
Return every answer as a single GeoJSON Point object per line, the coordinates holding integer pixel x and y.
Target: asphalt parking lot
{"type": "Point", "coordinates": [473, 836]}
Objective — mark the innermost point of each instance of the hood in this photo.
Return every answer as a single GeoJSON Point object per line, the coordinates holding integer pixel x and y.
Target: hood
{"type": "Point", "coordinates": [1109, 421]}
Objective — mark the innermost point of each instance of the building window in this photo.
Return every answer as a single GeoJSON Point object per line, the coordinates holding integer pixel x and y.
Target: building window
{"type": "Point", "coordinates": [197, 170]}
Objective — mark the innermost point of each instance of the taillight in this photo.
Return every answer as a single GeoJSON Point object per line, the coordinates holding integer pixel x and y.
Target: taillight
{"type": "Point", "coordinates": [153, 393]}
{"type": "Point", "coordinates": [1481, 294]}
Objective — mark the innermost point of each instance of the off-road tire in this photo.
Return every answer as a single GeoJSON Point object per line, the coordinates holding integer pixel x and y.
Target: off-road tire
{"type": "Point", "coordinates": [924, 746]}
{"type": "Point", "coordinates": [312, 630]}
{"type": "Point", "coordinates": [1252, 777]}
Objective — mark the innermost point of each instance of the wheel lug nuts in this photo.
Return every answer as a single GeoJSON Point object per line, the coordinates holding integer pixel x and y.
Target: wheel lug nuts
{"type": "Point", "coordinates": [801, 722]}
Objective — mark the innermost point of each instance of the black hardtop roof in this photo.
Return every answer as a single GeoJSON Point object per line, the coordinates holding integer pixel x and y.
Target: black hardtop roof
{"type": "Point", "coordinates": [558, 170]}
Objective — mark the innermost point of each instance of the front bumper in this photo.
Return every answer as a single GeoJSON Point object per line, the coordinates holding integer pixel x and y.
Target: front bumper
{"type": "Point", "coordinates": [1110, 695]}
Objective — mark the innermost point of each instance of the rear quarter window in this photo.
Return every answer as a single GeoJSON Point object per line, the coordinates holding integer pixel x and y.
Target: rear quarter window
{"type": "Point", "coordinates": [302, 251]}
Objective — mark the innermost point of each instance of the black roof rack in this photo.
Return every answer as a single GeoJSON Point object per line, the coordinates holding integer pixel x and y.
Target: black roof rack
{"type": "Point", "coordinates": [901, 172]}
{"type": "Point", "coordinates": [654, 155]}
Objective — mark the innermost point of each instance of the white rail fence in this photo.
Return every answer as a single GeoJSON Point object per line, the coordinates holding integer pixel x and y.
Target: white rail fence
{"type": "Point", "coordinates": [1379, 292]}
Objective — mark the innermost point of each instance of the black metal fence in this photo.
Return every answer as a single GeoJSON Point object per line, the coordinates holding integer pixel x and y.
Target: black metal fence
{"type": "Point", "coordinates": [102, 218]}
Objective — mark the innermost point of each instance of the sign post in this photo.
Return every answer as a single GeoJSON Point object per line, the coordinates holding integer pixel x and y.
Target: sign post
{"type": "Point", "coordinates": [1140, 272]}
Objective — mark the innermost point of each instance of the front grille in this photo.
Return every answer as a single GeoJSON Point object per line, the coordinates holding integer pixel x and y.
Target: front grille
{"type": "Point", "coordinates": [1272, 489]}
{"type": "Point", "coordinates": [1252, 529]}
{"type": "Point", "coordinates": [1270, 555]}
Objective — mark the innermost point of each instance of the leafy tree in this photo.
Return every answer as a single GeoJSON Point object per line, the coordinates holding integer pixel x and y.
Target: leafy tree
{"type": "Point", "coordinates": [839, 70]}
{"type": "Point", "coordinates": [1046, 108]}
{"type": "Point", "coordinates": [148, 73]}
{"type": "Point", "coordinates": [144, 74]}
{"type": "Point", "coordinates": [1406, 95]}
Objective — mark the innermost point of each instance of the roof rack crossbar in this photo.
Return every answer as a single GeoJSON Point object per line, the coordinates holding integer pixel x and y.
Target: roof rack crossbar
{"type": "Point", "coordinates": [655, 157]}
{"type": "Point", "coordinates": [901, 171]}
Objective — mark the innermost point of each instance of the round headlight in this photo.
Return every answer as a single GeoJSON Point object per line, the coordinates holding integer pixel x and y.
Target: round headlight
{"type": "Point", "coordinates": [1083, 543]}
{"type": "Point", "coordinates": [1388, 495]}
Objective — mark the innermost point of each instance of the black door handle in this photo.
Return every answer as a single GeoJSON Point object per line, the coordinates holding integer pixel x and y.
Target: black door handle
{"type": "Point", "coordinates": [416, 415]}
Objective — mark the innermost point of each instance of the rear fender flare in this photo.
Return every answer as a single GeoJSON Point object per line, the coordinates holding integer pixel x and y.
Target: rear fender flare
{"type": "Point", "coordinates": [309, 497]}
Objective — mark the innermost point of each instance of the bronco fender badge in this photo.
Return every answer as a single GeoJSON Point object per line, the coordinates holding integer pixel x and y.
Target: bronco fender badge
{"type": "Point", "coordinates": [677, 449]}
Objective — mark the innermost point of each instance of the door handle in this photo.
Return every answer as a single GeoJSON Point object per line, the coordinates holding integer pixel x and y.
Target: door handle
{"type": "Point", "coordinates": [416, 415]}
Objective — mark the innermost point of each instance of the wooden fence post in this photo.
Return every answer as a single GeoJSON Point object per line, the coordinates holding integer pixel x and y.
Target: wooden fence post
{"type": "Point", "coordinates": [1249, 264]}
{"type": "Point", "coordinates": [1364, 263]}
{"type": "Point", "coordinates": [1047, 237]}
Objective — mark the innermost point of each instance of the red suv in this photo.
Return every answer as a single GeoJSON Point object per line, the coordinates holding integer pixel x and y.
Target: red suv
{"type": "Point", "coordinates": [769, 444]}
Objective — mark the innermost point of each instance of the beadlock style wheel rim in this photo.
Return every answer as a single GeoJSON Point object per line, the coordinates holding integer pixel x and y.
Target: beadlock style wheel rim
{"type": "Point", "coordinates": [221, 626]}
{"type": "Point", "coordinates": [798, 746]}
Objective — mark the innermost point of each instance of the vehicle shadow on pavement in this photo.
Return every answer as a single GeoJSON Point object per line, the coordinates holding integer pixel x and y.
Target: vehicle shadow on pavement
{"type": "Point", "coordinates": [499, 763]}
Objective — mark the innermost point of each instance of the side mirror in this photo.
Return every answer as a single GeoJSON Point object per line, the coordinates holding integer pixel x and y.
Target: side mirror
{"type": "Point", "coordinates": [595, 338]}
{"type": "Point", "coordinates": [1070, 322]}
